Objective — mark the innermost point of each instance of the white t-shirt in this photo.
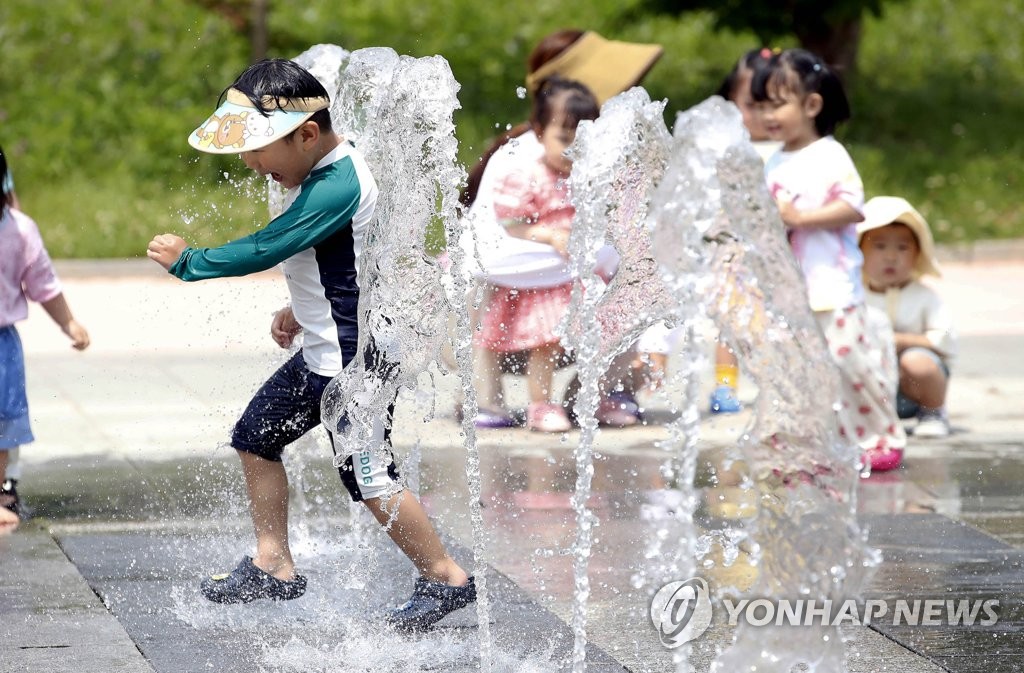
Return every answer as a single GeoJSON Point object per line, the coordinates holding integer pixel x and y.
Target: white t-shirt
{"type": "Point", "coordinates": [766, 148]}
{"type": "Point", "coordinates": [918, 309]}
{"type": "Point", "coordinates": [830, 259]}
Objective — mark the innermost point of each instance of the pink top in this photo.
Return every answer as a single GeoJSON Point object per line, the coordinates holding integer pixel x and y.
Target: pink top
{"type": "Point", "coordinates": [536, 193]}
{"type": "Point", "coordinates": [26, 271]}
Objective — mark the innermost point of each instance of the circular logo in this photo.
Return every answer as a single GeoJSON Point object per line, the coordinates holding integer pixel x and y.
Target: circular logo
{"type": "Point", "coordinates": [681, 611]}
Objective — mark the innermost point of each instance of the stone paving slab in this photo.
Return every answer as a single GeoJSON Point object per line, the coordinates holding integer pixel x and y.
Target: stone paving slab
{"type": "Point", "coordinates": [144, 567]}
{"type": "Point", "coordinates": [51, 619]}
{"type": "Point", "coordinates": [130, 449]}
{"type": "Point", "coordinates": [148, 577]}
{"type": "Point", "coordinates": [930, 557]}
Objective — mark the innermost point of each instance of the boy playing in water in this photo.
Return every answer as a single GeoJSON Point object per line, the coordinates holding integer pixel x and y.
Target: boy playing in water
{"type": "Point", "coordinates": [330, 201]}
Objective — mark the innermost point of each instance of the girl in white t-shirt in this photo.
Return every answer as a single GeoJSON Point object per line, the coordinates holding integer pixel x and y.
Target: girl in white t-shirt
{"type": "Point", "coordinates": [821, 197]}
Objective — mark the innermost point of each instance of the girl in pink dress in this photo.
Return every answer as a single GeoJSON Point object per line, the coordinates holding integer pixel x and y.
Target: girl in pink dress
{"type": "Point", "coordinates": [532, 202]}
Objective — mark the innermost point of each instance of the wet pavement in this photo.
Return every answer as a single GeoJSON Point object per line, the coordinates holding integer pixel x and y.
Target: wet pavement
{"type": "Point", "coordinates": [135, 495]}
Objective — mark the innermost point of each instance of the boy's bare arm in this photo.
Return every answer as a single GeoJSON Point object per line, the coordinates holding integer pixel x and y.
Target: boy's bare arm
{"type": "Point", "coordinates": [59, 310]}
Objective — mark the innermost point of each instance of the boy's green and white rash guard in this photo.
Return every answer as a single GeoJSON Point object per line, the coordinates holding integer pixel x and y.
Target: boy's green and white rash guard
{"type": "Point", "coordinates": [318, 238]}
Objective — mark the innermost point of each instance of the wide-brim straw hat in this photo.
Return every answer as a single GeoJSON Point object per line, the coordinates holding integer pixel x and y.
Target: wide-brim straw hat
{"type": "Point", "coordinates": [882, 211]}
{"type": "Point", "coordinates": [237, 126]}
{"type": "Point", "coordinates": [606, 67]}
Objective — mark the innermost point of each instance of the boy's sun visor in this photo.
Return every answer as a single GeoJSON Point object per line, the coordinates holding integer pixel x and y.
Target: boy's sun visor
{"type": "Point", "coordinates": [237, 126]}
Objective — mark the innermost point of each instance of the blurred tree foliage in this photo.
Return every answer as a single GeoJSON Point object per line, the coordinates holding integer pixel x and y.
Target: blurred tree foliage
{"type": "Point", "coordinates": [829, 28]}
{"type": "Point", "coordinates": [98, 97]}
{"type": "Point", "coordinates": [99, 85]}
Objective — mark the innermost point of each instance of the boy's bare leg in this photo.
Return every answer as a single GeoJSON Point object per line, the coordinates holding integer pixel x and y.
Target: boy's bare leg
{"type": "Point", "coordinates": [416, 537]}
{"type": "Point", "coordinates": [267, 485]}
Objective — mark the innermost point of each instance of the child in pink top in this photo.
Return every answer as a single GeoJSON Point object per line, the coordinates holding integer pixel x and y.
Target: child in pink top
{"type": "Point", "coordinates": [533, 203]}
{"type": "Point", "coordinates": [25, 273]}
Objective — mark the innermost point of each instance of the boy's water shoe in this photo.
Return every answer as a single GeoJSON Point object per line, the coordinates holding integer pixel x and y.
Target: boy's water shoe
{"type": "Point", "coordinates": [430, 602]}
{"type": "Point", "coordinates": [247, 583]}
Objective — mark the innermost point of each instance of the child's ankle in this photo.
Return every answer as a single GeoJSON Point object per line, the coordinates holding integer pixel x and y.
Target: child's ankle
{"type": "Point", "coordinates": [279, 565]}
{"type": "Point", "coordinates": [448, 572]}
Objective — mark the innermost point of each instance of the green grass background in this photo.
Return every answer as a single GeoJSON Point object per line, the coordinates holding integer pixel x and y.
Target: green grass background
{"type": "Point", "coordinates": [97, 98]}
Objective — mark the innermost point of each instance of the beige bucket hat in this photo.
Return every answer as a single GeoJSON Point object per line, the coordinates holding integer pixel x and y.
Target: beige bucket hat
{"type": "Point", "coordinates": [882, 211]}
{"type": "Point", "coordinates": [606, 67]}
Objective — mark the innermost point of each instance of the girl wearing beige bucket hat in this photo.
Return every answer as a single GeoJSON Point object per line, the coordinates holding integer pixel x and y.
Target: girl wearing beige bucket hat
{"type": "Point", "coordinates": [898, 250]}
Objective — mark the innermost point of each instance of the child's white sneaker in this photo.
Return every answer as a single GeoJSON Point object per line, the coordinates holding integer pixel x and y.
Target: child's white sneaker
{"type": "Point", "coordinates": [932, 424]}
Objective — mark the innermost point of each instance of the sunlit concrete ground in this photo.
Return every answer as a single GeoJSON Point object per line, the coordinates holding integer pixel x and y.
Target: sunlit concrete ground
{"type": "Point", "coordinates": [133, 430]}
